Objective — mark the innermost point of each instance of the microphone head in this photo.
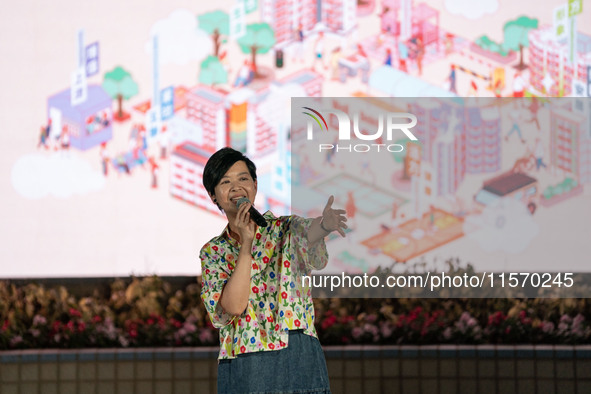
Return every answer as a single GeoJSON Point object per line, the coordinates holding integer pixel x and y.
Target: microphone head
{"type": "Point", "coordinates": [241, 201]}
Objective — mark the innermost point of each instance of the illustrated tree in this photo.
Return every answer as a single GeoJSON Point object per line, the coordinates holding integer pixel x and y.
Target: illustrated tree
{"type": "Point", "coordinates": [212, 71]}
{"type": "Point", "coordinates": [259, 38]}
{"type": "Point", "coordinates": [216, 23]}
{"type": "Point", "coordinates": [516, 36]}
{"type": "Point", "coordinates": [120, 85]}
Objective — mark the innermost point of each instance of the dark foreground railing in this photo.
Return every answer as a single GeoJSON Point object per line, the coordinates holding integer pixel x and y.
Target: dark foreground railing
{"type": "Point", "coordinates": [352, 369]}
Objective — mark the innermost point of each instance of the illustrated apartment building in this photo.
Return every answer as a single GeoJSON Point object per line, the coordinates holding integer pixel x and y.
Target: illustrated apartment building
{"type": "Point", "coordinates": [570, 141]}
{"type": "Point", "coordinates": [548, 58]}
{"type": "Point", "coordinates": [284, 16]}
{"type": "Point", "coordinates": [231, 119]}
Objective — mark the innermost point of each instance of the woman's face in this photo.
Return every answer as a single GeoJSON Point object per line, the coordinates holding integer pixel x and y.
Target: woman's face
{"type": "Point", "coordinates": [235, 184]}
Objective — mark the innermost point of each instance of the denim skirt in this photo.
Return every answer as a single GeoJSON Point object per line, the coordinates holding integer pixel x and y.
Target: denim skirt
{"type": "Point", "coordinates": [299, 368]}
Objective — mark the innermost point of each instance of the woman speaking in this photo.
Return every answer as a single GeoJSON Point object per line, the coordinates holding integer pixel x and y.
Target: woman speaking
{"type": "Point", "coordinates": [252, 286]}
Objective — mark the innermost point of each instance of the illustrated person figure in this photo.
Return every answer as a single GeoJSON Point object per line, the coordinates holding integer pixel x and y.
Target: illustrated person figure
{"type": "Point", "coordinates": [154, 171]}
{"type": "Point", "coordinates": [104, 154]}
{"type": "Point", "coordinates": [534, 107]}
{"type": "Point", "coordinates": [163, 142]}
{"type": "Point", "coordinates": [350, 206]}
{"type": "Point", "coordinates": [42, 138]}
{"type": "Point", "coordinates": [420, 54]}
{"type": "Point", "coordinates": [335, 56]}
{"type": "Point", "coordinates": [473, 91]}
{"type": "Point", "coordinates": [244, 74]}
{"type": "Point", "coordinates": [388, 60]}
{"type": "Point", "coordinates": [514, 115]}
{"type": "Point", "coordinates": [449, 43]}
{"type": "Point", "coordinates": [319, 51]}
{"type": "Point", "coordinates": [498, 89]}
{"type": "Point", "coordinates": [395, 210]}
{"type": "Point", "coordinates": [299, 43]}
{"type": "Point", "coordinates": [452, 79]}
{"type": "Point", "coordinates": [402, 56]}
{"type": "Point", "coordinates": [65, 138]}
{"type": "Point", "coordinates": [252, 287]}
{"type": "Point", "coordinates": [518, 85]}
{"type": "Point", "coordinates": [539, 153]}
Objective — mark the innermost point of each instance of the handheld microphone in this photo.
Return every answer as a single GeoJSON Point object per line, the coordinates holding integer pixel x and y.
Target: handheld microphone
{"type": "Point", "coordinates": [254, 214]}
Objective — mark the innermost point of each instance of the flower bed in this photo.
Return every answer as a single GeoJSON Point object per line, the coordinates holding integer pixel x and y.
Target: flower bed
{"type": "Point", "coordinates": [147, 312]}
{"type": "Point", "coordinates": [510, 58]}
{"type": "Point", "coordinates": [561, 192]}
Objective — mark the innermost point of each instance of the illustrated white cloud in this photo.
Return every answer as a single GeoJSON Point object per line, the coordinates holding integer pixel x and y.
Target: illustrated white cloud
{"type": "Point", "coordinates": [180, 41]}
{"type": "Point", "coordinates": [471, 9]}
{"type": "Point", "coordinates": [505, 225]}
{"type": "Point", "coordinates": [35, 176]}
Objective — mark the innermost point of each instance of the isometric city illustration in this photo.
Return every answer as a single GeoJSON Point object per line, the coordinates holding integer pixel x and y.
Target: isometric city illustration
{"type": "Point", "coordinates": [110, 112]}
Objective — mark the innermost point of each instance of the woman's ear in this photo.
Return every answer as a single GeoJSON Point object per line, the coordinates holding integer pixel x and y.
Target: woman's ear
{"type": "Point", "coordinates": [215, 201]}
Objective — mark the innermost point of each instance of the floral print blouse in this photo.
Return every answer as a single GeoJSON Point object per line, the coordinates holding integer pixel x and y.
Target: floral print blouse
{"type": "Point", "coordinates": [278, 302]}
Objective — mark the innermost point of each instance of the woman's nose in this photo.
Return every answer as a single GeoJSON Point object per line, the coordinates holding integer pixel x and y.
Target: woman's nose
{"type": "Point", "coordinates": [233, 186]}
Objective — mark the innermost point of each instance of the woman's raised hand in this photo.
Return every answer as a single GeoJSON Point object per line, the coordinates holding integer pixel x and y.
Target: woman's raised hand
{"type": "Point", "coordinates": [333, 219]}
{"type": "Point", "coordinates": [243, 223]}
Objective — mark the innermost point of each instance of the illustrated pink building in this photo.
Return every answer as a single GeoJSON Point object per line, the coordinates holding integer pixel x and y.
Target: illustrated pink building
{"type": "Point", "coordinates": [262, 137]}
{"type": "Point", "coordinates": [308, 79]}
{"type": "Point", "coordinates": [457, 139]}
{"type": "Point", "coordinates": [339, 15]}
{"type": "Point", "coordinates": [424, 20]}
{"type": "Point", "coordinates": [284, 16]}
{"type": "Point", "coordinates": [389, 17]}
{"type": "Point", "coordinates": [186, 172]}
{"type": "Point", "coordinates": [449, 160]}
{"type": "Point", "coordinates": [483, 140]}
{"type": "Point", "coordinates": [207, 107]}
{"type": "Point", "coordinates": [570, 143]}
{"type": "Point", "coordinates": [549, 57]}
{"type": "Point", "coordinates": [443, 142]}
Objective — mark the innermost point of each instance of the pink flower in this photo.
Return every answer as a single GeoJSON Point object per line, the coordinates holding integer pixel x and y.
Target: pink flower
{"type": "Point", "coordinates": [356, 332]}
{"type": "Point", "coordinates": [386, 330]}
{"type": "Point", "coordinates": [547, 327]}
{"type": "Point", "coordinates": [447, 333]}
{"type": "Point", "coordinates": [206, 336]}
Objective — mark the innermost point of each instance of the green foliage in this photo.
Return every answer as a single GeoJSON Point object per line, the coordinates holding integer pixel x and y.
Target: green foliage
{"type": "Point", "coordinates": [259, 36]}
{"type": "Point", "coordinates": [214, 20]}
{"type": "Point", "coordinates": [119, 82]}
{"type": "Point", "coordinates": [563, 187]}
{"type": "Point", "coordinates": [212, 71]}
{"type": "Point", "coordinates": [487, 44]}
{"type": "Point", "coordinates": [516, 32]}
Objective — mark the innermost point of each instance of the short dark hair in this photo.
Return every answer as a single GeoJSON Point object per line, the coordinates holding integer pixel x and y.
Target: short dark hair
{"type": "Point", "coordinates": [219, 163]}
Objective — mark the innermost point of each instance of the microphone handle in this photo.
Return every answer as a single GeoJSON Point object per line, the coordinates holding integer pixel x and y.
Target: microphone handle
{"type": "Point", "coordinates": [257, 217]}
